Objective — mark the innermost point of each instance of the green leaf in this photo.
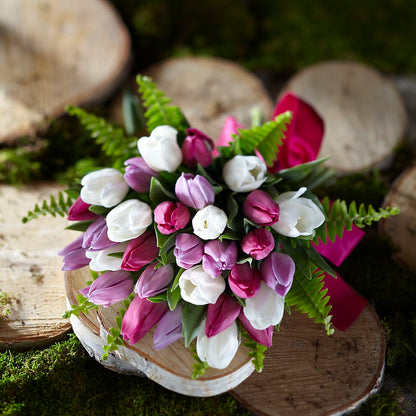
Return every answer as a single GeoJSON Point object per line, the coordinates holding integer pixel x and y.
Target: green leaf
{"type": "Point", "coordinates": [319, 261]}
{"type": "Point", "coordinates": [300, 172]}
{"type": "Point", "coordinates": [161, 297]}
{"type": "Point", "coordinates": [99, 210]}
{"type": "Point", "coordinates": [192, 316]}
{"type": "Point", "coordinates": [164, 241]}
{"type": "Point", "coordinates": [132, 112]}
{"type": "Point", "coordinates": [173, 297]}
{"type": "Point", "coordinates": [79, 226]}
{"type": "Point", "coordinates": [159, 193]}
{"type": "Point", "coordinates": [175, 282]}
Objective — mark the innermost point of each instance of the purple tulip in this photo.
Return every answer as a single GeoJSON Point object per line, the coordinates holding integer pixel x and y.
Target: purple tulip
{"type": "Point", "coordinates": [260, 208]}
{"type": "Point", "coordinates": [108, 288]}
{"type": "Point", "coordinates": [154, 280]}
{"type": "Point", "coordinates": [277, 271]}
{"type": "Point", "coordinates": [258, 243]}
{"type": "Point", "coordinates": [79, 211]}
{"type": "Point", "coordinates": [171, 216]}
{"type": "Point", "coordinates": [188, 250]}
{"type": "Point", "coordinates": [140, 317]}
{"type": "Point", "coordinates": [74, 255]}
{"type": "Point", "coordinates": [197, 148]}
{"type": "Point", "coordinates": [244, 281]}
{"type": "Point", "coordinates": [95, 237]}
{"type": "Point", "coordinates": [138, 174]}
{"type": "Point", "coordinates": [140, 251]}
{"type": "Point", "coordinates": [262, 336]}
{"type": "Point", "coordinates": [221, 315]}
{"type": "Point", "coordinates": [194, 191]}
{"type": "Point", "coordinates": [219, 256]}
{"type": "Point", "coordinates": [169, 329]}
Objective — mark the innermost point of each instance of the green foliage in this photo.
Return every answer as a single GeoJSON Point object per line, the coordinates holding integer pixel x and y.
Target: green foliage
{"type": "Point", "coordinates": [308, 297]}
{"type": "Point", "coordinates": [381, 404]}
{"type": "Point", "coordinates": [84, 306]}
{"type": "Point", "coordinates": [192, 315]}
{"type": "Point", "coordinates": [5, 301]}
{"type": "Point", "coordinates": [158, 111]}
{"type": "Point", "coordinates": [54, 207]}
{"type": "Point", "coordinates": [199, 366]}
{"type": "Point", "coordinates": [256, 352]}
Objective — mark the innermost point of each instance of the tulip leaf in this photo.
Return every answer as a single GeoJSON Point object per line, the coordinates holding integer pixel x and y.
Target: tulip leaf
{"type": "Point", "coordinates": [319, 261]}
{"type": "Point", "coordinates": [300, 172]}
{"type": "Point", "coordinates": [158, 192]}
{"type": "Point", "coordinates": [192, 316]}
{"type": "Point", "coordinates": [132, 112]}
{"type": "Point", "coordinates": [79, 226]}
{"type": "Point", "coordinates": [161, 297]}
{"type": "Point", "coordinates": [304, 266]}
{"type": "Point", "coordinates": [99, 210]}
{"type": "Point", "coordinates": [175, 282]}
{"type": "Point", "coordinates": [173, 297]}
{"type": "Point", "coordinates": [164, 241]}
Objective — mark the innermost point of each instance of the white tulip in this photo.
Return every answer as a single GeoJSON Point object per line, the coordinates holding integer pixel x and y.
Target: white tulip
{"type": "Point", "coordinates": [161, 150]}
{"type": "Point", "coordinates": [105, 187]}
{"type": "Point", "coordinates": [128, 220]}
{"type": "Point", "coordinates": [102, 261]}
{"type": "Point", "coordinates": [199, 288]}
{"type": "Point", "coordinates": [244, 173]}
{"type": "Point", "coordinates": [264, 309]}
{"type": "Point", "coordinates": [209, 222]}
{"type": "Point", "coordinates": [219, 350]}
{"type": "Point", "coordinates": [298, 215]}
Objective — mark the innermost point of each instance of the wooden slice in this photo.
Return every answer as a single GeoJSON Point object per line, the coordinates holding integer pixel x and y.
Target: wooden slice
{"type": "Point", "coordinates": [54, 53]}
{"type": "Point", "coordinates": [30, 270]}
{"type": "Point", "coordinates": [402, 228]}
{"type": "Point", "coordinates": [209, 89]}
{"type": "Point", "coordinates": [365, 117]}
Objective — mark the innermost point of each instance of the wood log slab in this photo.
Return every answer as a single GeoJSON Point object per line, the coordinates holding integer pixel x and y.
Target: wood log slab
{"type": "Point", "coordinates": [402, 228]}
{"type": "Point", "coordinates": [306, 371]}
{"type": "Point", "coordinates": [365, 117]}
{"type": "Point", "coordinates": [30, 270]}
{"type": "Point", "coordinates": [54, 53]}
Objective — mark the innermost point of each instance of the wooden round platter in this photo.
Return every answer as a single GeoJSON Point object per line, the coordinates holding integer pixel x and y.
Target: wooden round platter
{"type": "Point", "coordinates": [364, 114]}
{"type": "Point", "coordinates": [306, 371]}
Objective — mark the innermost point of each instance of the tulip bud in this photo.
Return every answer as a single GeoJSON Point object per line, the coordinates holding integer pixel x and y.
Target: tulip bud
{"type": "Point", "coordinates": [209, 222]}
{"type": "Point", "coordinates": [244, 281]}
{"type": "Point", "coordinates": [109, 288]}
{"type": "Point", "coordinates": [169, 329]}
{"type": "Point", "coordinates": [79, 211]}
{"type": "Point", "coordinates": [262, 336]}
{"type": "Point", "coordinates": [194, 191]}
{"type": "Point", "coordinates": [105, 187]}
{"type": "Point", "coordinates": [258, 243]}
{"type": "Point", "coordinates": [138, 174]}
{"type": "Point", "coordinates": [74, 256]}
{"type": "Point", "coordinates": [219, 256]}
{"type": "Point", "coordinates": [188, 250]}
{"type": "Point", "coordinates": [140, 251]}
{"type": "Point", "coordinates": [260, 208]}
{"type": "Point", "coordinates": [277, 272]}
{"type": "Point", "coordinates": [197, 148]}
{"type": "Point", "coordinates": [221, 315]}
{"type": "Point", "coordinates": [140, 317]}
{"type": "Point", "coordinates": [128, 220]}
{"type": "Point", "coordinates": [95, 237]}
{"type": "Point", "coordinates": [102, 260]}
{"type": "Point", "coordinates": [244, 173]}
{"type": "Point", "coordinates": [219, 350]}
{"type": "Point", "coordinates": [171, 216]}
{"type": "Point", "coordinates": [199, 288]}
{"type": "Point", "coordinates": [161, 150]}
{"type": "Point", "coordinates": [154, 280]}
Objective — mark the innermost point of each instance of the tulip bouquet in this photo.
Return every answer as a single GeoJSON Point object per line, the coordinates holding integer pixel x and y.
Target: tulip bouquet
{"type": "Point", "coordinates": [204, 242]}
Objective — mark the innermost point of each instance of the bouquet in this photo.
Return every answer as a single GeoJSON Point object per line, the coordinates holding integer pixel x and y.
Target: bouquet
{"type": "Point", "coordinates": [208, 243]}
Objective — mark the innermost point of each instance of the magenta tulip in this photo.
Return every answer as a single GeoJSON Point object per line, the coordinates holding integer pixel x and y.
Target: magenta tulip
{"type": "Point", "coordinates": [95, 237]}
{"type": "Point", "coordinates": [140, 251]}
{"type": "Point", "coordinates": [79, 211]}
{"type": "Point", "coordinates": [154, 280]}
{"type": "Point", "coordinates": [258, 243]}
{"type": "Point", "coordinates": [260, 208]}
{"type": "Point", "coordinates": [188, 250]}
{"type": "Point", "coordinates": [244, 281]}
{"type": "Point", "coordinates": [277, 271]}
{"type": "Point", "coordinates": [262, 336]}
{"type": "Point", "coordinates": [169, 329]}
{"type": "Point", "coordinates": [197, 148]}
{"type": "Point", "coordinates": [138, 174]}
{"type": "Point", "coordinates": [74, 255]}
{"type": "Point", "coordinates": [219, 256]}
{"type": "Point", "coordinates": [221, 314]}
{"type": "Point", "coordinates": [194, 191]}
{"type": "Point", "coordinates": [171, 216]}
{"type": "Point", "coordinates": [140, 317]}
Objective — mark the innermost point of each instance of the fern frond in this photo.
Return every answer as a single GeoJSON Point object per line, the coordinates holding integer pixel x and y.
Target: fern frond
{"type": "Point", "coordinates": [266, 138]}
{"type": "Point", "coordinates": [54, 207]}
{"type": "Point", "coordinates": [308, 297]}
{"type": "Point", "coordinates": [340, 217]}
{"type": "Point", "coordinates": [159, 112]}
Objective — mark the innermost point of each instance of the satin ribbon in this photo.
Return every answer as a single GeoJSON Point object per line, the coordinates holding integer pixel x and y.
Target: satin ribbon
{"type": "Point", "coordinates": [302, 142]}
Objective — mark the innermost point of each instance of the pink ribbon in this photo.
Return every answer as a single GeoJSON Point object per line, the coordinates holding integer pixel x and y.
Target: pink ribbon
{"type": "Point", "coordinates": [301, 144]}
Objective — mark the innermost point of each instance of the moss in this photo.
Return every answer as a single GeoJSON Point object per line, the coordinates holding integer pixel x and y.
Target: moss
{"type": "Point", "coordinates": [383, 404]}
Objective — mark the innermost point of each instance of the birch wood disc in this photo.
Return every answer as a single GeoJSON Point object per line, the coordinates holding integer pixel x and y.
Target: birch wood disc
{"type": "Point", "coordinates": [402, 228]}
{"type": "Point", "coordinates": [209, 89]}
{"type": "Point", "coordinates": [365, 117]}
{"type": "Point", "coordinates": [54, 53]}
{"type": "Point", "coordinates": [30, 269]}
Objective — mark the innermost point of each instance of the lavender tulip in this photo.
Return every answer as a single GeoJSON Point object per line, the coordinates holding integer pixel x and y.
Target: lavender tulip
{"type": "Point", "coordinates": [140, 317]}
{"type": "Point", "coordinates": [219, 256]}
{"type": "Point", "coordinates": [95, 237]}
{"type": "Point", "coordinates": [221, 315]}
{"type": "Point", "coordinates": [197, 148]}
{"type": "Point", "coordinates": [194, 191]}
{"type": "Point", "coordinates": [74, 255]}
{"type": "Point", "coordinates": [277, 271]}
{"type": "Point", "coordinates": [169, 329]}
{"type": "Point", "coordinates": [138, 174]}
{"type": "Point", "coordinates": [258, 243]}
{"type": "Point", "coordinates": [154, 280]}
{"type": "Point", "coordinates": [244, 280]}
{"type": "Point", "coordinates": [262, 336]}
{"type": "Point", "coordinates": [188, 250]}
{"type": "Point", "coordinates": [109, 288]}
{"type": "Point", "coordinates": [171, 216]}
{"type": "Point", "coordinates": [79, 211]}
{"type": "Point", "coordinates": [139, 252]}
{"type": "Point", "coordinates": [260, 208]}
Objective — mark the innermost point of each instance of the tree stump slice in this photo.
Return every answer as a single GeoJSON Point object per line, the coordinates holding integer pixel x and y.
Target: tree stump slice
{"type": "Point", "coordinates": [207, 90]}
{"type": "Point", "coordinates": [365, 117]}
{"type": "Point", "coordinates": [402, 228]}
{"type": "Point", "coordinates": [30, 270]}
{"type": "Point", "coordinates": [52, 54]}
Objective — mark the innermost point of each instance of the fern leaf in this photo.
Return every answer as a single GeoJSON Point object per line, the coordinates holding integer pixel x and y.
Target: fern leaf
{"type": "Point", "coordinates": [308, 297]}
{"type": "Point", "coordinates": [159, 111]}
{"type": "Point", "coordinates": [266, 138]}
